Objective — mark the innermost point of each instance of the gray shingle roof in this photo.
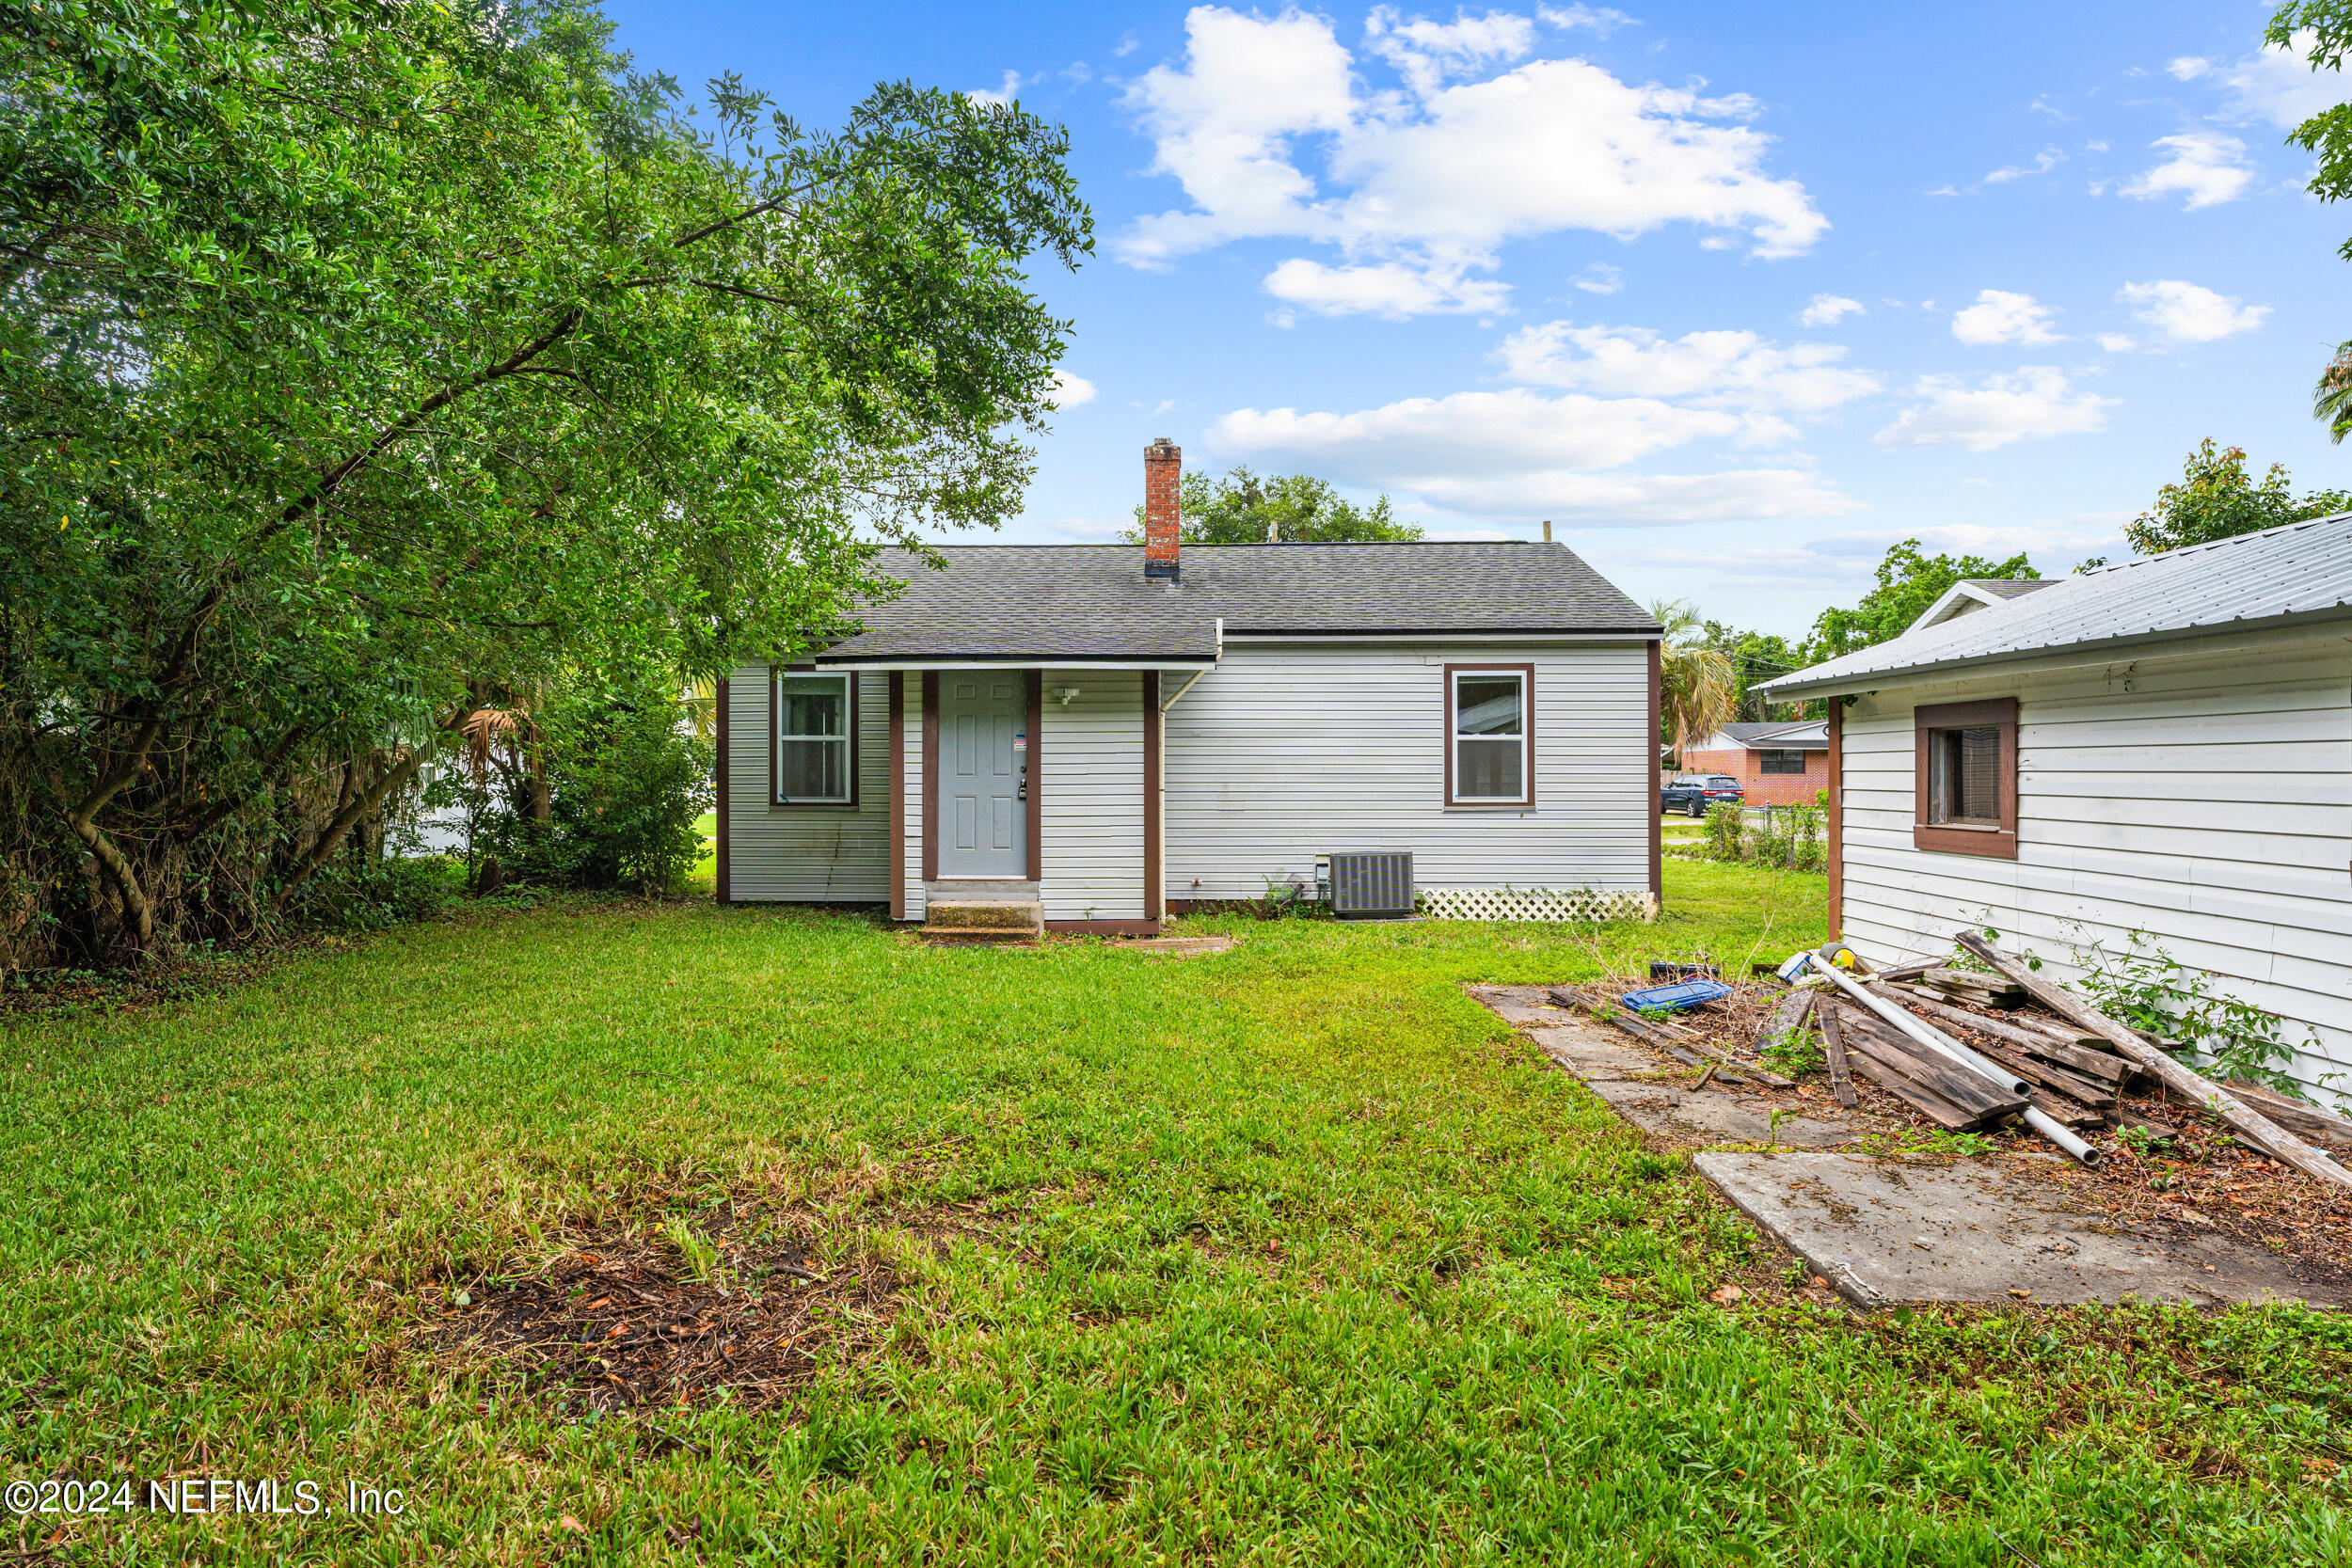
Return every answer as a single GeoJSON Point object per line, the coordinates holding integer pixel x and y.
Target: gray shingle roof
{"type": "Point", "coordinates": [2295, 572]}
{"type": "Point", "coordinates": [1081, 602]}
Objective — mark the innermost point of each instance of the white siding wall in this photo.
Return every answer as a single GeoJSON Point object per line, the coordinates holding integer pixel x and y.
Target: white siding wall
{"type": "Point", "coordinates": [2202, 795]}
{"type": "Point", "coordinates": [910, 790]}
{"type": "Point", "coordinates": [1286, 751]}
{"type": "Point", "coordinates": [1090, 776]}
{"type": "Point", "coordinates": [806, 853]}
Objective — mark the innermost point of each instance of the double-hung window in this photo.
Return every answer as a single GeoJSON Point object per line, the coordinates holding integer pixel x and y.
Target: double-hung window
{"type": "Point", "coordinates": [816, 757]}
{"type": "Point", "coordinates": [1966, 766]}
{"type": "Point", "coordinates": [1489, 722]}
{"type": "Point", "coordinates": [1780, 759]}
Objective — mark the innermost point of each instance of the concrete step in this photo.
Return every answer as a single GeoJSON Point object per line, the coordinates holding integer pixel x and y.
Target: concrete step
{"type": "Point", "coordinates": [979, 936]}
{"type": "Point", "coordinates": [982, 922]}
{"type": "Point", "coordinates": [984, 915]}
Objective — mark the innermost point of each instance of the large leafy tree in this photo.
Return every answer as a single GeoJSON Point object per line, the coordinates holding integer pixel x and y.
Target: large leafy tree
{"type": "Point", "coordinates": [1756, 657]}
{"type": "Point", "coordinates": [2216, 499]}
{"type": "Point", "coordinates": [363, 363]}
{"type": "Point", "coordinates": [2327, 135]}
{"type": "Point", "coordinates": [1241, 508]}
{"type": "Point", "coordinates": [1909, 580]}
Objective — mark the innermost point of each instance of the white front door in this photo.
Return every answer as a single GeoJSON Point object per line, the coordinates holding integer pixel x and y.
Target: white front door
{"type": "Point", "coordinates": [983, 823]}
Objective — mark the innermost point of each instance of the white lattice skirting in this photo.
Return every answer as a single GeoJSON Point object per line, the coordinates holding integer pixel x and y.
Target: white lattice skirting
{"type": "Point", "coordinates": [1535, 903]}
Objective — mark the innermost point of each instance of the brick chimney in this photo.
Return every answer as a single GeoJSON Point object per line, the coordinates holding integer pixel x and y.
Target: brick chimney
{"type": "Point", "coordinates": [1163, 507]}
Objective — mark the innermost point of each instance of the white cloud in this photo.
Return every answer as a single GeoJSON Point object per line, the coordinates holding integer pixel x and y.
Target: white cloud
{"type": "Point", "coordinates": [2049, 159]}
{"type": "Point", "coordinates": [2118, 343]}
{"type": "Point", "coordinates": [1426, 53]}
{"type": "Point", "coordinates": [2279, 85]}
{"type": "Point", "coordinates": [1598, 18]}
{"type": "Point", "coordinates": [2189, 66]}
{"type": "Point", "coordinates": [1599, 278]}
{"type": "Point", "coordinates": [2055, 544]}
{"type": "Point", "coordinates": [1072, 390]}
{"type": "Point", "coordinates": [1089, 528]}
{"type": "Point", "coordinates": [1828, 310]}
{"type": "Point", "coordinates": [2205, 165]}
{"type": "Point", "coordinates": [1709, 369]}
{"type": "Point", "coordinates": [2189, 314]}
{"type": "Point", "coordinates": [2036, 402]}
{"type": "Point", "coordinates": [1388, 288]}
{"type": "Point", "coordinates": [1999, 316]}
{"type": "Point", "coordinates": [1000, 96]}
{"type": "Point", "coordinates": [1519, 452]}
{"type": "Point", "coordinates": [1271, 135]}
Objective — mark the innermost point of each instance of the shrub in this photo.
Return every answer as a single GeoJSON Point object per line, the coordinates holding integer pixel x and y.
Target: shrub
{"type": "Point", "coordinates": [1724, 833]}
{"type": "Point", "coordinates": [2147, 988]}
{"type": "Point", "coordinates": [592, 789]}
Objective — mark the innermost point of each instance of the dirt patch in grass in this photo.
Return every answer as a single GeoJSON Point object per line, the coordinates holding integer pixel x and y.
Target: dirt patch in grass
{"type": "Point", "coordinates": [741, 1300]}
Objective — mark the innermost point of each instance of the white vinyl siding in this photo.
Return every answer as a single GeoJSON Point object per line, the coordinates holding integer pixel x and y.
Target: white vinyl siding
{"type": "Point", "coordinates": [819, 853]}
{"type": "Point", "coordinates": [1285, 752]}
{"type": "Point", "coordinates": [2201, 796]}
{"type": "Point", "coordinates": [1090, 777]}
{"type": "Point", "coordinates": [910, 791]}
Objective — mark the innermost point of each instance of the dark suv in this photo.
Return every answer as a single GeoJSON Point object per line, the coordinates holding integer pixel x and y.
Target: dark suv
{"type": "Point", "coordinates": [1691, 796]}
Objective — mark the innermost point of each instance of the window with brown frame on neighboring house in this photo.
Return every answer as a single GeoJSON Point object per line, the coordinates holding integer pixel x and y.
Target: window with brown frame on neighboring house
{"type": "Point", "coordinates": [1777, 759]}
{"type": "Point", "coordinates": [1965, 759]}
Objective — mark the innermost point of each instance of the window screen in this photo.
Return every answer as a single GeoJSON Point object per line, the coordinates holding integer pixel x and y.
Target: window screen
{"type": "Point", "coordinates": [813, 739]}
{"type": "Point", "coordinates": [1490, 737]}
{"type": "Point", "coordinates": [1965, 777]}
{"type": "Point", "coordinates": [1781, 760]}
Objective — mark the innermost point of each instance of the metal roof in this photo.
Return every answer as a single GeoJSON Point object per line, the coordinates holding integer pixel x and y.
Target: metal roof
{"type": "Point", "coordinates": [2295, 572]}
{"type": "Point", "coordinates": [1080, 603]}
{"type": "Point", "coordinates": [1781, 735]}
{"type": "Point", "coordinates": [2008, 588]}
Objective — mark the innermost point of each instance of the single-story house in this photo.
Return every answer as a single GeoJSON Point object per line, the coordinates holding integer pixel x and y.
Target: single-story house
{"type": "Point", "coordinates": [1777, 765]}
{"type": "Point", "coordinates": [2162, 746]}
{"type": "Point", "coordinates": [1114, 732]}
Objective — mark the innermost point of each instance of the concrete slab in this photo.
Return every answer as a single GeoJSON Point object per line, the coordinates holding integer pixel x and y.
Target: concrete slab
{"type": "Point", "coordinates": [1886, 1233]}
{"type": "Point", "coordinates": [1646, 1089]}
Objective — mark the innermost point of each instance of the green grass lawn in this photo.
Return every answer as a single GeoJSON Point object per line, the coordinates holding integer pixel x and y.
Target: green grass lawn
{"type": "Point", "coordinates": [1289, 1256]}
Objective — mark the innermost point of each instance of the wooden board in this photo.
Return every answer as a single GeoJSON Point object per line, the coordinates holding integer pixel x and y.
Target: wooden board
{"type": "Point", "coordinates": [1949, 1081]}
{"type": "Point", "coordinates": [2044, 1076]}
{"type": "Point", "coordinates": [1936, 1109]}
{"type": "Point", "coordinates": [1833, 1047]}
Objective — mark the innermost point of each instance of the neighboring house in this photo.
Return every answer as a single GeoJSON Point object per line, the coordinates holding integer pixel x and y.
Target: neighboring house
{"type": "Point", "coordinates": [1112, 732]}
{"type": "Point", "coordinates": [2162, 746]}
{"type": "Point", "coordinates": [1777, 765]}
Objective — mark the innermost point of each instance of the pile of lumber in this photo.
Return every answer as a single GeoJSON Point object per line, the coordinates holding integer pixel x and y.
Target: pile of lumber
{"type": "Point", "coordinates": [2238, 1114]}
{"type": "Point", "coordinates": [1968, 988]}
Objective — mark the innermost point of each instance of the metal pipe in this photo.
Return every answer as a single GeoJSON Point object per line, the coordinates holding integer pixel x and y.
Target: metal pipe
{"type": "Point", "coordinates": [1181, 690]}
{"type": "Point", "coordinates": [1935, 1040]}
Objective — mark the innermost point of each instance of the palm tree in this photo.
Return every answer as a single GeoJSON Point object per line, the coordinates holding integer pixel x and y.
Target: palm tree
{"type": "Point", "coordinates": [2332, 400]}
{"type": "Point", "coordinates": [1698, 693]}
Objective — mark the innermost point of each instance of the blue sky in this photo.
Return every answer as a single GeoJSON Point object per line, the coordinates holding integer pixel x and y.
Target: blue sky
{"type": "Point", "coordinates": [1737, 295]}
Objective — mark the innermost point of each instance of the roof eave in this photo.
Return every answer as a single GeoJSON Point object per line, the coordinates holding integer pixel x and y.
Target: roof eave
{"type": "Point", "coordinates": [1788, 687]}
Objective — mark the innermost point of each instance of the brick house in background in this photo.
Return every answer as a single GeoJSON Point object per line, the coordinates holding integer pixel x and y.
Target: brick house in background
{"type": "Point", "coordinates": [1780, 763]}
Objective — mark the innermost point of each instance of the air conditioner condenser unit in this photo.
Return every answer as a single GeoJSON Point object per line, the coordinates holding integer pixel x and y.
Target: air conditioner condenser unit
{"type": "Point", "coordinates": [1372, 885]}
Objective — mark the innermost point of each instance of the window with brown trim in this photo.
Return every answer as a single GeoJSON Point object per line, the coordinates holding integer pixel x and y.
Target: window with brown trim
{"type": "Point", "coordinates": [1965, 785]}
{"type": "Point", "coordinates": [1779, 759]}
{"type": "Point", "coordinates": [1489, 734]}
{"type": "Point", "coordinates": [812, 755]}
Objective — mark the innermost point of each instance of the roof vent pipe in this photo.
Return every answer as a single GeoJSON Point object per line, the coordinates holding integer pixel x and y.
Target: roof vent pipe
{"type": "Point", "coordinates": [1163, 507]}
